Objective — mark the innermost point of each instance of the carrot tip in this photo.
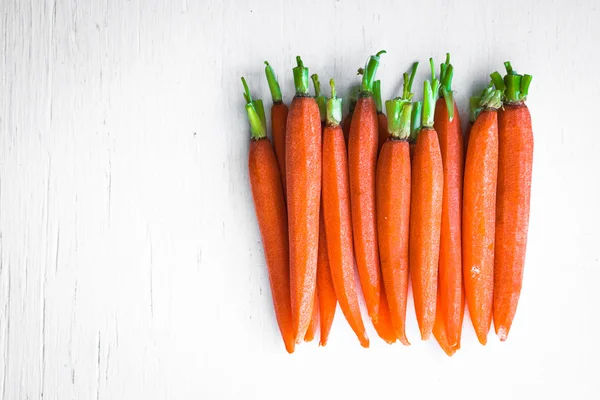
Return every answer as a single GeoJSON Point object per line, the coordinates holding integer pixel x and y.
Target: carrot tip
{"type": "Point", "coordinates": [425, 336]}
{"type": "Point", "coordinates": [403, 340]}
{"type": "Point", "coordinates": [365, 342]}
{"type": "Point", "coordinates": [502, 333]}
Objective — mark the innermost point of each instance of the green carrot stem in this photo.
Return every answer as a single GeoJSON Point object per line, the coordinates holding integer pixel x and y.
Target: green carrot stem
{"type": "Point", "coordinates": [497, 80]}
{"type": "Point", "coordinates": [257, 128]}
{"type": "Point", "coordinates": [429, 98]}
{"type": "Point", "coordinates": [474, 108]}
{"type": "Point", "coordinates": [369, 73]}
{"type": "Point", "coordinates": [377, 95]}
{"type": "Point", "coordinates": [415, 120]}
{"type": "Point", "coordinates": [393, 110]}
{"type": "Point", "coordinates": [516, 86]}
{"type": "Point", "coordinates": [300, 78]}
{"type": "Point", "coordinates": [273, 83]}
{"type": "Point", "coordinates": [319, 98]}
{"type": "Point", "coordinates": [247, 95]}
{"type": "Point", "coordinates": [334, 107]}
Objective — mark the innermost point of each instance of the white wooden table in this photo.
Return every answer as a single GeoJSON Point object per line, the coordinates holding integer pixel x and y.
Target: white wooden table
{"type": "Point", "coordinates": [130, 259]}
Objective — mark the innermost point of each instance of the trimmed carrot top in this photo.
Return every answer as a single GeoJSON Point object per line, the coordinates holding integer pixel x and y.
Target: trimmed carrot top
{"type": "Point", "coordinates": [300, 78]}
{"type": "Point", "coordinates": [446, 74]}
{"type": "Point", "coordinates": [400, 109]}
{"type": "Point", "coordinates": [515, 87]}
{"type": "Point", "coordinates": [430, 93]}
{"type": "Point", "coordinates": [334, 107]}
{"type": "Point", "coordinates": [256, 114]}
{"type": "Point", "coordinates": [273, 83]}
{"type": "Point", "coordinates": [369, 73]}
{"type": "Point", "coordinates": [319, 98]}
{"type": "Point", "coordinates": [415, 123]}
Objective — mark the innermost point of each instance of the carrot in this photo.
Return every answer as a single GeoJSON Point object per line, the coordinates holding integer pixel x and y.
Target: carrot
{"type": "Point", "coordinates": [303, 169]}
{"type": "Point", "coordinates": [279, 112]}
{"type": "Point", "coordinates": [393, 207]}
{"type": "Point", "coordinates": [479, 211]}
{"type": "Point", "coordinates": [327, 300]}
{"type": "Point", "coordinates": [415, 126]}
{"type": "Point", "coordinates": [426, 213]}
{"type": "Point", "coordinates": [336, 213]}
{"type": "Point", "coordinates": [382, 122]}
{"type": "Point", "coordinates": [314, 321]}
{"type": "Point", "coordinates": [269, 205]}
{"type": "Point", "coordinates": [439, 328]}
{"type": "Point", "coordinates": [362, 159]}
{"type": "Point", "coordinates": [515, 159]}
{"type": "Point", "coordinates": [448, 127]}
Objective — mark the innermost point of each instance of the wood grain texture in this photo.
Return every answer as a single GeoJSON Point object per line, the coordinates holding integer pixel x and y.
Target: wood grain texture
{"type": "Point", "coordinates": [130, 258]}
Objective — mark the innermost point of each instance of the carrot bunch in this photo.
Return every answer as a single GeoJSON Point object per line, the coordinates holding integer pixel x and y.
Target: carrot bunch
{"type": "Point", "coordinates": [403, 194]}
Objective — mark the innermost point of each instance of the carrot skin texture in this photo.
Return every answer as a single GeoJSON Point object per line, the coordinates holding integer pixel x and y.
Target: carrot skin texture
{"type": "Point", "coordinates": [270, 209]}
{"type": "Point", "coordinates": [450, 263]}
{"type": "Point", "coordinates": [393, 218]}
{"type": "Point", "coordinates": [479, 214]}
{"type": "Point", "coordinates": [325, 290]}
{"type": "Point", "coordinates": [279, 113]}
{"type": "Point", "coordinates": [425, 224]}
{"type": "Point", "coordinates": [314, 321]}
{"type": "Point", "coordinates": [362, 160]}
{"type": "Point", "coordinates": [338, 228]}
{"type": "Point", "coordinates": [515, 160]}
{"type": "Point", "coordinates": [382, 127]}
{"type": "Point", "coordinates": [303, 169]}
{"type": "Point", "coordinates": [439, 329]}
{"type": "Point", "coordinates": [383, 325]}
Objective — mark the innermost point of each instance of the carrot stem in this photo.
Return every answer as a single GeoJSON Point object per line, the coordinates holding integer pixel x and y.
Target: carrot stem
{"type": "Point", "coordinates": [517, 86]}
{"type": "Point", "coordinates": [300, 78]}
{"type": "Point", "coordinates": [474, 108]}
{"type": "Point", "coordinates": [446, 74]}
{"type": "Point", "coordinates": [497, 80]}
{"type": "Point", "coordinates": [407, 94]}
{"type": "Point", "coordinates": [319, 98]}
{"type": "Point", "coordinates": [415, 123]}
{"type": "Point", "coordinates": [369, 72]}
{"type": "Point", "coordinates": [334, 107]}
{"type": "Point", "coordinates": [273, 83]}
{"type": "Point", "coordinates": [256, 114]}
{"type": "Point", "coordinates": [377, 95]}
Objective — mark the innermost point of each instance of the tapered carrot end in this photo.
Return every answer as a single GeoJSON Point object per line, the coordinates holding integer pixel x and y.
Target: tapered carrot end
{"type": "Point", "coordinates": [502, 333]}
{"type": "Point", "coordinates": [425, 335]}
{"type": "Point", "coordinates": [323, 343]}
{"type": "Point", "coordinates": [482, 339]}
{"type": "Point", "coordinates": [402, 338]}
{"type": "Point", "coordinates": [290, 346]}
{"type": "Point", "coordinates": [364, 342]}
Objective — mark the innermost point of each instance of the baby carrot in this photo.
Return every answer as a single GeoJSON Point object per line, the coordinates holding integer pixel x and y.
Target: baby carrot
{"type": "Point", "coordinates": [382, 122]}
{"type": "Point", "coordinates": [515, 159]}
{"type": "Point", "coordinates": [279, 112]}
{"type": "Point", "coordinates": [303, 169]}
{"type": "Point", "coordinates": [426, 213]}
{"type": "Point", "coordinates": [326, 293]}
{"type": "Point", "coordinates": [448, 127]}
{"type": "Point", "coordinates": [362, 159]}
{"type": "Point", "coordinates": [336, 213]}
{"type": "Point", "coordinates": [393, 207]}
{"type": "Point", "coordinates": [383, 325]}
{"type": "Point", "coordinates": [269, 205]}
{"type": "Point", "coordinates": [479, 213]}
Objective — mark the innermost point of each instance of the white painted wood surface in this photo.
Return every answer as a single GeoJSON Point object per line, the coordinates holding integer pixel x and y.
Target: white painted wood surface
{"type": "Point", "coordinates": [130, 260]}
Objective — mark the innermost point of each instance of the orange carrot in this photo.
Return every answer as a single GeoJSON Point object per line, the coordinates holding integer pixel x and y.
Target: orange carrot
{"type": "Point", "coordinates": [426, 214]}
{"type": "Point", "coordinates": [336, 213]}
{"type": "Point", "coordinates": [269, 205]}
{"type": "Point", "coordinates": [515, 159]}
{"type": "Point", "coordinates": [393, 206]}
{"type": "Point", "coordinates": [447, 125]}
{"type": "Point", "coordinates": [479, 213]}
{"type": "Point", "coordinates": [362, 157]}
{"type": "Point", "coordinates": [382, 122]}
{"type": "Point", "coordinates": [279, 112]}
{"type": "Point", "coordinates": [303, 169]}
{"type": "Point", "coordinates": [439, 328]}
